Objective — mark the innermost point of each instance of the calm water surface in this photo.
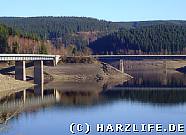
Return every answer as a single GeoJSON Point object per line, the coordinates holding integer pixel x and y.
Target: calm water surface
{"type": "Point", "coordinates": [153, 97]}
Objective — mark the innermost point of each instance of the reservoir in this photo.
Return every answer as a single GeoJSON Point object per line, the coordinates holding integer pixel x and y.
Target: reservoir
{"type": "Point", "coordinates": [150, 97]}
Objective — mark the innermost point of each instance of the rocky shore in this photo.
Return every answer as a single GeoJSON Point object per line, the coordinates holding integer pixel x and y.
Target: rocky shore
{"type": "Point", "coordinates": [80, 72]}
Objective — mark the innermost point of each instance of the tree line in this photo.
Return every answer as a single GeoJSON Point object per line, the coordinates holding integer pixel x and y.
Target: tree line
{"type": "Point", "coordinates": [61, 31]}
{"type": "Point", "coordinates": [75, 35]}
{"type": "Point", "coordinates": [155, 39]}
{"type": "Point", "coordinates": [4, 33]}
{"type": "Point", "coordinates": [56, 27]}
{"type": "Point", "coordinates": [12, 41]}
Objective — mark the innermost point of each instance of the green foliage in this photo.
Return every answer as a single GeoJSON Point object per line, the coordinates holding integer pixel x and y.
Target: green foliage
{"type": "Point", "coordinates": [15, 48]}
{"type": "Point", "coordinates": [72, 50]}
{"type": "Point", "coordinates": [4, 33]}
{"type": "Point", "coordinates": [55, 27]}
{"type": "Point", "coordinates": [156, 39]}
{"type": "Point", "coordinates": [43, 49]}
{"type": "Point", "coordinates": [166, 37]}
{"type": "Point", "coordinates": [63, 29]}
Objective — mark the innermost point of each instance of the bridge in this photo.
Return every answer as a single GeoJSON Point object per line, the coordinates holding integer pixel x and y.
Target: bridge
{"type": "Point", "coordinates": [121, 58]}
{"type": "Point", "coordinates": [140, 57]}
{"type": "Point", "coordinates": [147, 88]}
{"type": "Point", "coordinates": [20, 59]}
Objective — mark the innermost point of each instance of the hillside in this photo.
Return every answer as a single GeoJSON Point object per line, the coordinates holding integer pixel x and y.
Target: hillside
{"type": "Point", "coordinates": [55, 27]}
{"type": "Point", "coordinates": [155, 39]}
{"type": "Point", "coordinates": [137, 24]}
{"type": "Point", "coordinates": [74, 35]}
{"type": "Point", "coordinates": [5, 32]}
{"type": "Point", "coordinates": [62, 31]}
{"type": "Point", "coordinates": [12, 41]}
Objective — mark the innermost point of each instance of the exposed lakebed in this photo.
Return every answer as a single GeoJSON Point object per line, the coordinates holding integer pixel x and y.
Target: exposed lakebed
{"type": "Point", "coordinates": [80, 102]}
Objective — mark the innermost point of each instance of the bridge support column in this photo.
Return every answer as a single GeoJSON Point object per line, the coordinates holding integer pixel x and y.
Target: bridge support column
{"type": "Point", "coordinates": [121, 65]}
{"type": "Point", "coordinates": [38, 72]}
{"type": "Point", "coordinates": [20, 71]}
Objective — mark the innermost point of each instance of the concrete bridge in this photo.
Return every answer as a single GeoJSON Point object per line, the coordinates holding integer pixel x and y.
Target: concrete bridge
{"type": "Point", "coordinates": [148, 88]}
{"type": "Point", "coordinates": [38, 59]}
{"type": "Point", "coordinates": [121, 58]}
{"type": "Point", "coordinates": [140, 57]}
{"type": "Point", "coordinates": [20, 59]}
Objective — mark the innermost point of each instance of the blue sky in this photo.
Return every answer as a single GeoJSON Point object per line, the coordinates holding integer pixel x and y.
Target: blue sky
{"type": "Point", "coordinates": [112, 10]}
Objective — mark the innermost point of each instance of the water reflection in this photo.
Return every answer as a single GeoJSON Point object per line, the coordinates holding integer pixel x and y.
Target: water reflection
{"type": "Point", "coordinates": [155, 97]}
{"type": "Point", "coordinates": [153, 88]}
{"type": "Point", "coordinates": [156, 79]}
{"type": "Point", "coordinates": [142, 89]}
{"type": "Point", "coordinates": [26, 101]}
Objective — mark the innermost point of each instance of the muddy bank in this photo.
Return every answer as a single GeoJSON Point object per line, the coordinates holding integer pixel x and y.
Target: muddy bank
{"type": "Point", "coordinates": [86, 72]}
{"type": "Point", "coordinates": [72, 72]}
{"type": "Point", "coordinates": [151, 65]}
{"type": "Point", "coordinates": [9, 85]}
{"type": "Point", "coordinates": [83, 83]}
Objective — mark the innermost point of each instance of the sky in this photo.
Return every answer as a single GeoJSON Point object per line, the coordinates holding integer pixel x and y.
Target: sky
{"type": "Point", "coordinates": [111, 10]}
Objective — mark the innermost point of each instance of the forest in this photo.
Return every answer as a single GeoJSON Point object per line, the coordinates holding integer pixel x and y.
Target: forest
{"type": "Point", "coordinates": [56, 27]}
{"type": "Point", "coordinates": [12, 41]}
{"type": "Point", "coordinates": [63, 32]}
{"type": "Point", "coordinates": [83, 36]}
{"type": "Point", "coordinates": [155, 39]}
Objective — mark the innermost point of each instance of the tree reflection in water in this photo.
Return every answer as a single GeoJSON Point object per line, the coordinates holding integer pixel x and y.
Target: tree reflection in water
{"type": "Point", "coordinates": [89, 94]}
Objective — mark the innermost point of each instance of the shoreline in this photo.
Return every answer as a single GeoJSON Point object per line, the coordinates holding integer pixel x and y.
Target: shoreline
{"type": "Point", "coordinates": [96, 72]}
{"type": "Point", "coordinates": [74, 72]}
{"type": "Point", "coordinates": [80, 72]}
{"type": "Point", "coordinates": [9, 85]}
{"type": "Point", "coordinates": [80, 77]}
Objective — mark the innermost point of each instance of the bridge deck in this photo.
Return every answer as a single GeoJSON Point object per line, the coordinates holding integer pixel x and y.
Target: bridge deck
{"type": "Point", "coordinates": [148, 88]}
{"type": "Point", "coordinates": [139, 57]}
{"type": "Point", "coordinates": [27, 57]}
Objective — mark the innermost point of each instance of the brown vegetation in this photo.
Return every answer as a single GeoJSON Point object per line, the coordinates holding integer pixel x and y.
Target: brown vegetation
{"type": "Point", "coordinates": [26, 45]}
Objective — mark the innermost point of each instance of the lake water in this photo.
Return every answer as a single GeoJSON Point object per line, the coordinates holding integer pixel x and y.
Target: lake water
{"type": "Point", "coordinates": [151, 97]}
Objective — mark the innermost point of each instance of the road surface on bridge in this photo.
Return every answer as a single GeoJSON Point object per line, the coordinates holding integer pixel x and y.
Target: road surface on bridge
{"type": "Point", "coordinates": [140, 57]}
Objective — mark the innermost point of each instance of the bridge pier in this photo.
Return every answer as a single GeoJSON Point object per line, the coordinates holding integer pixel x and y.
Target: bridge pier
{"type": "Point", "coordinates": [38, 72]}
{"type": "Point", "coordinates": [20, 71]}
{"type": "Point", "coordinates": [121, 65]}
{"type": "Point", "coordinates": [57, 95]}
